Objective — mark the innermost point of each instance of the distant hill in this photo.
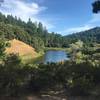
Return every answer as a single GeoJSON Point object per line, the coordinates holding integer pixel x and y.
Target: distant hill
{"type": "Point", "coordinates": [89, 36]}
{"type": "Point", "coordinates": [21, 48]}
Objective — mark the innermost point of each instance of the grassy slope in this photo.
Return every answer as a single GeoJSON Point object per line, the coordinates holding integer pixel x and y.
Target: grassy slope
{"type": "Point", "coordinates": [25, 51]}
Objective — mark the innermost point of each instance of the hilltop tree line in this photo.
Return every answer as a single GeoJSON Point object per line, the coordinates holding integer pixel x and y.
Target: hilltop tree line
{"type": "Point", "coordinates": [36, 35]}
{"type": "Point", "coordinates": [33, 33]}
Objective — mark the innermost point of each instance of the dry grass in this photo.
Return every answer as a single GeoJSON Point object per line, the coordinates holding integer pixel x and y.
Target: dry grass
{"type": "Point", "coordinates": [21, 48]}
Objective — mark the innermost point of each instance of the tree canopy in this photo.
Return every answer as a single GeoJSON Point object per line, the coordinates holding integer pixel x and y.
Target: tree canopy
{"type": "Point", "coordinates": [96, 6]}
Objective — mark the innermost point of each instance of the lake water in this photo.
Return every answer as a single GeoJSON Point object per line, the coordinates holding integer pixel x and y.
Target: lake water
{"type": "Point", "coordinates": [54, 56]}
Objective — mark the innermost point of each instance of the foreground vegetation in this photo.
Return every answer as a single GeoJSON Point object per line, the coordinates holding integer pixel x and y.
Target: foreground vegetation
{"type": "Point", "coordinates": [79, 76]}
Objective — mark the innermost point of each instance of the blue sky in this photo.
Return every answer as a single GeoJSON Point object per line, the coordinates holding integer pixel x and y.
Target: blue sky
{"type": "Point", "coordinates": [61, 16]}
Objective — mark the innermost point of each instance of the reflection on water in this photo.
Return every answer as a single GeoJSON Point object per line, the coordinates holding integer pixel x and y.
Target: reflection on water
{"type": "Point", "coordinates": [54, 56]}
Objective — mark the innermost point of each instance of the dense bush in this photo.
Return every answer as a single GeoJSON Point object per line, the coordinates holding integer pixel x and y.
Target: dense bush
{"type": "Point", "coordinates": [79, 79]}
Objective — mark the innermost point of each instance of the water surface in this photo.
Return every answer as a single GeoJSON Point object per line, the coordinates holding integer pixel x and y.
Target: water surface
{"type": "Point", "coordinates": [54, 56]}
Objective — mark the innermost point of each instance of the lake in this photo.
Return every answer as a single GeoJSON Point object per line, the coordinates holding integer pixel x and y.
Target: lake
{"type": "Point", "coordinates": [54, 56]}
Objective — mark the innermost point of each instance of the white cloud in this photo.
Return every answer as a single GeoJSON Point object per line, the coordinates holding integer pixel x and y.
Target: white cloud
{"type": "Point", "coordinates": [24, 10]}
{"type": "Point", "coordinates": [21, 9]}
{"type": "Point", "coordinates": [77, 29]}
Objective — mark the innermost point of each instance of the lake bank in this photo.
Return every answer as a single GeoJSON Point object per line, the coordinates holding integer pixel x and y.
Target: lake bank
{"type": "Point", "coordinates": [53, 48]}
{"type": "Point", "coordinates": [28, 59]}
{"type": "Point", "coordinates": [49, 55]}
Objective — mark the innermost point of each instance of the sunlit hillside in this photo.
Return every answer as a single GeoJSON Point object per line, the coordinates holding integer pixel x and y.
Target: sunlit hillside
{"type": "Point", "coordinates": [21, 48]}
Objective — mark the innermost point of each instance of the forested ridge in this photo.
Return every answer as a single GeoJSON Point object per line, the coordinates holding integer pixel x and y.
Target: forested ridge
{"type": "Point", "coordinates": [36, 35]}
{"type": "Point", "coordinates": [89, 36]}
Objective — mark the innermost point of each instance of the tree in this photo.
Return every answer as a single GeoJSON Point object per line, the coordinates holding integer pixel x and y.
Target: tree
{"type": "Point", "coordinates": [3, 46]}
{"type": "Point", "coordinates": [40, 28]}
{"type": "Point", "coordinates": [30, 27]}
{"type": "Point", "coordinates": [75, 51]}
{"type": "Point", "coordinates": [96, 6]}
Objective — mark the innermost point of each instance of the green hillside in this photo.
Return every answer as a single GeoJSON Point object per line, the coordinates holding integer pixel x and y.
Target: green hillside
{"type": "Point", "coordinates": [89, 36]}
{"type": "Point", "coordinates": [36, 35]}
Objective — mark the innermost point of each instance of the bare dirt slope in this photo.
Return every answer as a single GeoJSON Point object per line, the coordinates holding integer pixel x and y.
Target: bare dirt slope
{"type": "Point", "coordinates": [21, 48]}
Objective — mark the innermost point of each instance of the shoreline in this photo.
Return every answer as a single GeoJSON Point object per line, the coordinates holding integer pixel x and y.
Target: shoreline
{"type": "Point", "coordinates": [54, 48]}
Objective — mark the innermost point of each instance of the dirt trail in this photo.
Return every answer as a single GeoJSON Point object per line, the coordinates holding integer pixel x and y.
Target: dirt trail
{"type": "Point", "coordinates": [49, 98]}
